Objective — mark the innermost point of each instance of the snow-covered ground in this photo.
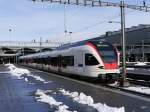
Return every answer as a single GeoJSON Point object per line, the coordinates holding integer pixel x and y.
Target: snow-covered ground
{"type": "Point", "coordinates": [130, 68]}
{"type": "Point", "coordinates": [22, 73]}
{"type": "Point", "coordinates": [43, 96]}
{"type": "Point", "coordinates": [140, 64]}
{"type": "Point", "coordinates": [81, 98]}
{"type": "Point", "coordinates": [84, 99]}
{"type": "Point", "coordinates": [140, 89]}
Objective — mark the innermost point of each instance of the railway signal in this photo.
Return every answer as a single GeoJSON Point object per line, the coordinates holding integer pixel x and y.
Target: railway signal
{"type": "Point", "coordinates": [99, 3]}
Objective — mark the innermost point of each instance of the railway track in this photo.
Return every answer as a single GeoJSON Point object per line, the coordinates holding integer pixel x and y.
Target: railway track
{"type": "Point", "coordinates": [139, 82]}
{"type": "Point", "coordinates": [132, 81]}
{"type": "Point", "coordinates": [135, 66]}
{"type": "Point", "coordinates": [128, 91]}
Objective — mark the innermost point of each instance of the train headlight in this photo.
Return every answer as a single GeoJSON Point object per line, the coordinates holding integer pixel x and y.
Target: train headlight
{"type": "Point", "coordinates": [101, 67]}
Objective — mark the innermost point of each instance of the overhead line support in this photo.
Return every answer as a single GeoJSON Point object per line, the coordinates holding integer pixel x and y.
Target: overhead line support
{"type": "Point", "coordinates": [97, 3]}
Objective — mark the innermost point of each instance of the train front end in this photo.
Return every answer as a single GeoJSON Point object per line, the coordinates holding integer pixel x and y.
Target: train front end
{"type": "Point", "coordinates": [108, 58]}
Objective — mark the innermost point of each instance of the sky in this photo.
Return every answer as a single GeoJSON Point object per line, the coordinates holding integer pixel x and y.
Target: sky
{"type": "Point", "coordinates": [29, 20]}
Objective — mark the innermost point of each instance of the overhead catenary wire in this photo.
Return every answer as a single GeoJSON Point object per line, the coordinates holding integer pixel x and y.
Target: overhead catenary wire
{"type": "Point", "coordinates": [99, 23]}
{"type": "Point", "coordinates": [75, 13]}
{"type": "Point", "coordinates": [82, 30]}
{"type": "Point", "coordinates": [97, 3]}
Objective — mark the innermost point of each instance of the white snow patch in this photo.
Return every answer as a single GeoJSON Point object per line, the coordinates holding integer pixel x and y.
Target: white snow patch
{"type": "Point", "coordinates": [8, 64]}
{"type": "Point", "coordinates": [130, 68]}
{"type": "Point", "coordinates": [116, 83]}
{"type": "Point", "coordinates": [36, 77]}
{"type": "Point", "coordinates": [46, 82]}
{"type": "Point", "coordinates": [63, 108]}
{"type": "Point", "coordinates": [42, 97]}
{"type": "Point", "coordinates": [84, 99]}
{"type": "Point", "coordinates": [140, 64]}
{"type": "Point", "coordinates": [26, 79]}
{"type": "Point", "coordinates": [141, 89]}
{"type": "Point", "coordinates": [19, 72]}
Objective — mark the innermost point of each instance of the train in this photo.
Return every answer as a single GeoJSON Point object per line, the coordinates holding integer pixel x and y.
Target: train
{"type": "Point", "coordinates": [92, 59]}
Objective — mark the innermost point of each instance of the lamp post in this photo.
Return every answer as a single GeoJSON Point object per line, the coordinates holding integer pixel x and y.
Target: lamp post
{"type": "Point", "coordinates": [70, 37]}
{"type": "Point", "coordinates": [40, 44]}
{"type": "Point", "coordinates": [10, 30]}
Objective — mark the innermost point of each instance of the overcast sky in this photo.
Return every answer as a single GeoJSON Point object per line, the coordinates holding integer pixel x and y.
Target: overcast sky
{"type": "Point", "coordinates": [29, 20]}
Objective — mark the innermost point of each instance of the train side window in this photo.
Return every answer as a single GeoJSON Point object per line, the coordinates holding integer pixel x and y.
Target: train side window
{"type": "Point", "coordinates": [67, 61]}
{"type": "Point", "coordinates": [49, 60]}
{"type": "Point", "coordinates": [54, 61]}
{"type": "Point", "coordinates": [90, 60]}
{"type": "Point", "coordinates": [70, 60]}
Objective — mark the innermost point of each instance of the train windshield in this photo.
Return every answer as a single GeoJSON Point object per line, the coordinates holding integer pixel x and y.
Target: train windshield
{"type": "Point", "coordinates": [106, 51]}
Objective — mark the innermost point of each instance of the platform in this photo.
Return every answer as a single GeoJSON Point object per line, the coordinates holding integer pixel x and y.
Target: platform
{"type": "Point", "coordinates": [18, 96]}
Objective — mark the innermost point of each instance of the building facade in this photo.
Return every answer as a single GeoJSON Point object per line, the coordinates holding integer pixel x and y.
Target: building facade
{"type": "Point", "coordinates": [137, 42]}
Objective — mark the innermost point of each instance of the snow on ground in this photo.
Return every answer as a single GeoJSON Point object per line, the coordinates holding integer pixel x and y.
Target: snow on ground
{"type": "Point", "coordinates": [36, 77]}
{"type": "Point", "coordinates": [9, 64]}
{"type": "Point", "coordinates": [141, 89]}
{"type": "Point", "coordinates": [84, 99]}
{"type": "Point", "coordinates": [21, 73]}
{"type": "Point", "coordinates": [140, 64]}
{"type": "Point", "coordinates": [41, 96]}
{"type": "Point", "coordinates": [18, 72]}
{"type": "Point", "coordinates": [116, 83]}
{"type": "Point", "coordinates": [130, 68]}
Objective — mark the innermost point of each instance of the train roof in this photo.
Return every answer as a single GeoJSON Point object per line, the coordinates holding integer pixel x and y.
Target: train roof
{"type": "Point", "coordinates": [63, 47]}
{"type": "Point", "coordinates": [80, 43]}
{"type": "Point", "coordinates": [40, 55]}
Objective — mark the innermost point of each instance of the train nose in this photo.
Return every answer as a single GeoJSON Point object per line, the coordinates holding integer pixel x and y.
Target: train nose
{"type": "Point", "coordinates": [111, 66]}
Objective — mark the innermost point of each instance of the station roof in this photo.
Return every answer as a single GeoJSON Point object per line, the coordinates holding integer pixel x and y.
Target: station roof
{"type": "Point", "coordinates": [134, 35]}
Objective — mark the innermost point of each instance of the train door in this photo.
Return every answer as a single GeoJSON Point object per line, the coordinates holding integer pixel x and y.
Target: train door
{"type": "Point", "coordinates": [79, 62]}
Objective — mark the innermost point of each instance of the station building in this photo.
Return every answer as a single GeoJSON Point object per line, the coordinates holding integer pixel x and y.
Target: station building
{"type": "Point", "coordinates": [137, 42]}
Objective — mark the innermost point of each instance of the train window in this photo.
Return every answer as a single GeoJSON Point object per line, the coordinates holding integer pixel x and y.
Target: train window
{"type": "Point", "coordinates": [41, 60]}
{"type": "Point", "coordinates": [45, 61]}
{"type": "Point", "coordinates": [67, 61]}
{"type": "Point", "coordinates": [54, 61]}
{"type": "Point", "coordinates": [108, 56]}
{"type": "Point", "coordinates": [49, 60]}
{"type": "Point", "coordinates": [90, 60]}
{"type": "Point", "coordinates": [107, 52]}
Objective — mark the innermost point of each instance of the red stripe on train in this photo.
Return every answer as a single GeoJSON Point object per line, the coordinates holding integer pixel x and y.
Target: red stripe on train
{"type": "Point", "coordinates": [111, 66]}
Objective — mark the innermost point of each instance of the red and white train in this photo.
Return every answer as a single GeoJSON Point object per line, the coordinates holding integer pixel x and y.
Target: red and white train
{"type": "Point", "coordinates": [88, 58]}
